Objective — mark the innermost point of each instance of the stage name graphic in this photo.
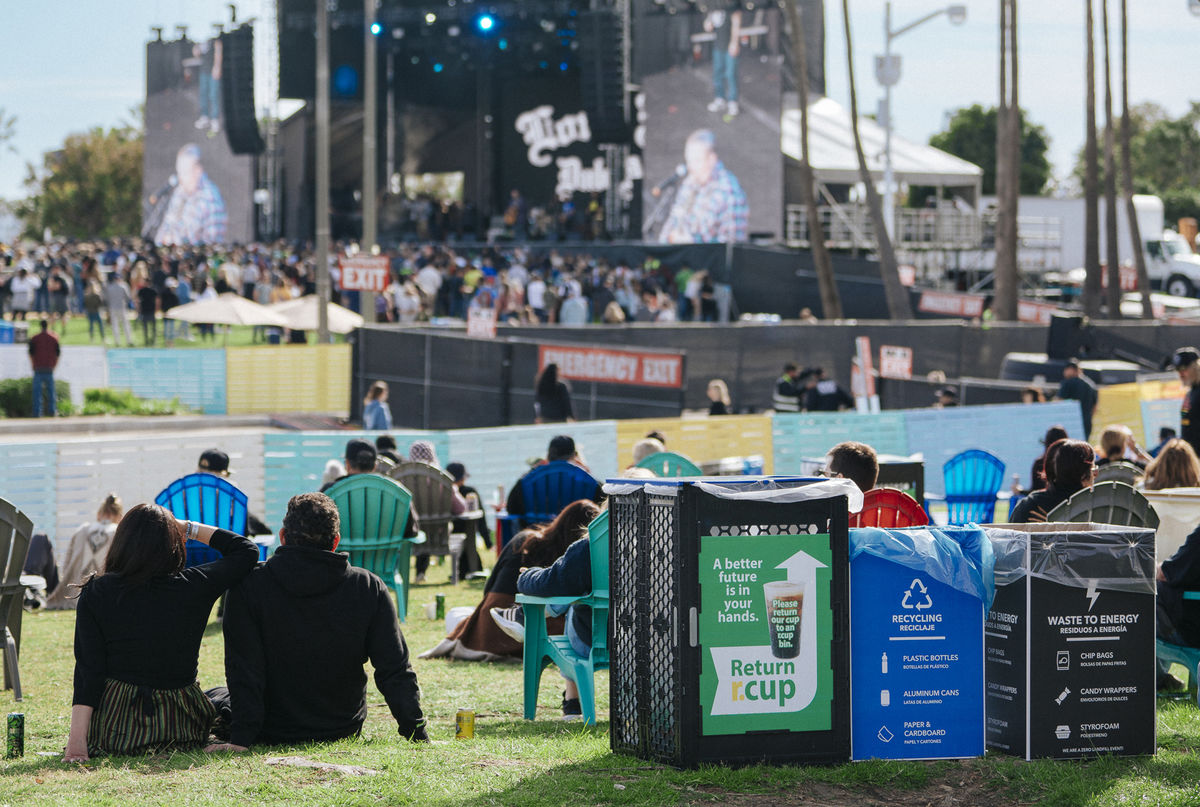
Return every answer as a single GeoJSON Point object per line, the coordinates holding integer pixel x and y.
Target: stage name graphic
{"type": "Point", "coordinates": [543, 134]}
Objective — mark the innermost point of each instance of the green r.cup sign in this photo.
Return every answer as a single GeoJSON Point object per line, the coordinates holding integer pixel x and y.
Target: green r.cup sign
{"type": "Point", "coordinates": [765, 630]}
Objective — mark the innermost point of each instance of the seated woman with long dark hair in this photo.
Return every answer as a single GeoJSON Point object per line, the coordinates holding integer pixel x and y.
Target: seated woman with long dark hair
{"type": "Point", "coordinates": [138, 628]}
{"type": "Point", "coordinates": [1070, 467]}
{"type": "Point", "coordinates": [478, 638]}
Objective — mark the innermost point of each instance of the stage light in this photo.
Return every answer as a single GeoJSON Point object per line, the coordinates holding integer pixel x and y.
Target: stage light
{"type": "Point", "coordinates": [437, 67]}
{"type": "Point", "coordinates": [503, 44]}
{"type": "Point", "coordinates": [345, 81]}
{"type": "Point", "coordinates": [453, 30]}
{"type": "Point", "coordinates": [430, 18]}
{"type": "Point", "coordinates": [562, 66]}
{"type": "Point", "coordinates": [485, 22]}
{"type": "Point", "coordinates": [376, 29]}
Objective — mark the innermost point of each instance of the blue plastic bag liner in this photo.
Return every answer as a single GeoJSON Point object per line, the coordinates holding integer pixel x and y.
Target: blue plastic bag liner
{"type": "Point", "coordinates": [780, 489]}
{"type": "Point", "coordinates": [959, 557]}
{"type": "Point", "coordinates": [1084, 555]}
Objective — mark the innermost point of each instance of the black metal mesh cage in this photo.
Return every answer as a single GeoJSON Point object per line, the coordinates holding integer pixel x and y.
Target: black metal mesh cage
{"type": "Point", "coordinates": [654, 540]}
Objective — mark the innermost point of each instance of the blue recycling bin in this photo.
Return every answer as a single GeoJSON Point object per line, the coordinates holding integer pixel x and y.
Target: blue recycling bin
{"type": "Point", "coordinates": [7, 333]}
{"type": "Point", "coordinates": [918, 604]}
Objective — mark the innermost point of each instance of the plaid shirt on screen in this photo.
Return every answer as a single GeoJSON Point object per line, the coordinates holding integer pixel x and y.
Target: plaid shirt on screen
{"type": "Point", "coordinates": [197, 218]}
{"type": "Point", "coordinates": [714, 212]}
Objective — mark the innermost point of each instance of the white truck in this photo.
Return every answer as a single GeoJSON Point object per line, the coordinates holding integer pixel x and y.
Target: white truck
{"type": "Point", "coordinates": [1051, 237]}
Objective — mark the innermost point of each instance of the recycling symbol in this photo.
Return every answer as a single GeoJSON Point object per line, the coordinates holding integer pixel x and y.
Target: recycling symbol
{"type": "Point", "coordinates": [917, 596]}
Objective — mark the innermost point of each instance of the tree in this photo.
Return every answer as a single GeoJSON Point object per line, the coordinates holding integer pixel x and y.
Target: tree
{"type": "Point", "coordinates": [1091, 227]}
{"type": "Point", "coordinates": [8, 130]}
{"type": "Point", "coordinates": [831, 300]}
{"type": "Point", "coordinates": [1135, 236]}
{"type": "Point", "coordinates": [90, 188]}
{"type": "Point", "coordinates": [971, 135]}
{"type": "Point", "coordinates": [899, 306]}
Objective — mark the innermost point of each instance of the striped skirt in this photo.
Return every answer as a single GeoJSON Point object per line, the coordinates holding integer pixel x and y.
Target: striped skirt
{"type": "Point", "coordinates": [133, 719]}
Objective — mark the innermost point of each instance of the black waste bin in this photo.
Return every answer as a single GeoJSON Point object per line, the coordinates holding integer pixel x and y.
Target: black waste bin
{"type": "Point", "coordinates": [1070, 668]}
{"type": "Point", "coordinates": [729, 600]}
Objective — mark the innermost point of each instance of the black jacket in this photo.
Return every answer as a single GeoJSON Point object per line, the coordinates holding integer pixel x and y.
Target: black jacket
{"type": "Point", "coordinates": [298, 631]}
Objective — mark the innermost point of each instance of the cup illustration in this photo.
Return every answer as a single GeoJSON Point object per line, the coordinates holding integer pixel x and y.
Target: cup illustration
{"type": "Point", "coordinates": [785, 606]}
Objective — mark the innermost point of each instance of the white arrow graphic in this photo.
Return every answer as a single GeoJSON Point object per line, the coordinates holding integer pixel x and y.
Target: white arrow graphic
{"type": "Point", "coordinates": [802, 568]}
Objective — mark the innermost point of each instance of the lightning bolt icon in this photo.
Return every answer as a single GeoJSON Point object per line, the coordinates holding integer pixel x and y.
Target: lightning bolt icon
{"type": "Point", "coordinates": [1092, 594]}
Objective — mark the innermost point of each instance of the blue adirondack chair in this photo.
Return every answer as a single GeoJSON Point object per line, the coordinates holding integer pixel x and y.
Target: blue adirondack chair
{"type": "Point", "coordinates": [541, 649]}
{"type": "Point", "coordinates": [668, 463]}
{"type": "Point", "coordinates": [972, 478]}
{"type": "Point", "coordinates": [374, 511]}
{"type": "Point", "coordinates": [208, 499]}
{"type": "Point", "coordinates": [546, 489]}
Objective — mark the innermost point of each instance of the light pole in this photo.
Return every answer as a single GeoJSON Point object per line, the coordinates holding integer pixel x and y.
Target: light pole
{"type": "Point", "coordinates": [887, 73]}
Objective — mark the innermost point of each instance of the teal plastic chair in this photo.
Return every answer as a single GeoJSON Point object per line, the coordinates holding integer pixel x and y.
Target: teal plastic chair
{"type": "Point", "coordinates": [374, 511]}
{"type": "Point", "coordinates": [1189, 657]}
{"type": "Point", "coordinates": [668, 464]}
{"type": "Point", "coordinates": [541, 648]}
{"type": "Point", "coordinates": [208, 499]}
{"type": "Point", "coordinates": [972, 480]}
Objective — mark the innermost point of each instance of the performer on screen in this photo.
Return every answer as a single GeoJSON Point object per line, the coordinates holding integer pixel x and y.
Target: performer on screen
{"type": "Point", "coordinates": [725, 22]}
{"type": "Point", "coordinates": [209, 54]}
{"type": "Point", "coordinates": [710, 206]}
{"type": "Point", "coordinates": [196, 212]}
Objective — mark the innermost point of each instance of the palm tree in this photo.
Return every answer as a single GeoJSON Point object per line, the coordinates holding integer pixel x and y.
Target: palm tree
{"type": "Point", "coordinates": [1007, 180]}
{"type": "Point", "coordinates": [1113, 297]}
{"type": "Point", "coordinates": [831, 300]}
{"type": "Point", "coordinates": [899, 306]}
{"type": "Point", "coordinates": [1091, 227]}
{"type": "Point", "coordinates": [1135, 235]}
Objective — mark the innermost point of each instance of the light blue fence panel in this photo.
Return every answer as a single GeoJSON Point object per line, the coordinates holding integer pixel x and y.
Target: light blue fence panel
{"type": "Point", "coordinates": [811, 434]}
{"type": "Point", "coordinates": [1155, 415]}
{"type": "Point", "coordinates": [196, 377]}
{"type": "Point", "coordinates": [501, 456]}
{"type": "Point", "coordinates": [293, 462]}
{"type": "Point", "coordinates": [27, 479]}
{"type": "Point", "coordinates": [1012, 432]}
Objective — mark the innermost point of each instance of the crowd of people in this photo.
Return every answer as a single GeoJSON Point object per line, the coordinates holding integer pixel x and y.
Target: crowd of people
{"type": "Point", "coordinates": [117, 285]}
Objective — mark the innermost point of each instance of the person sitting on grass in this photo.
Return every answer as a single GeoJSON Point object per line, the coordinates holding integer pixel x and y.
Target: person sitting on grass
{"type": "Point", "coordinates": [297, 631]}
{"type": "Point", "coordinates": [138, 628]}
{"type": "Point", "coordinates": [476, 638]}
{"type": "Point", "coordinates": [570, 575]}
{"type": "Point", "coordinates": [854, 461]}
{"type": "Point", "coordinates": [1070, 467]}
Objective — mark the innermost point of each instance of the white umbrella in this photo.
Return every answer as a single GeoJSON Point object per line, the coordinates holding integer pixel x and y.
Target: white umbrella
{"type": "Point", "coordinates": [226, 309]}
{"type": "Point", "coordinates": [301, 315]}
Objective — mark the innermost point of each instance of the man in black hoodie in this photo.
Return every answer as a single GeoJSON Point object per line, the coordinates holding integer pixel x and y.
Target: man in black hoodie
{"type": "Point", "coordinates": [297, 630]}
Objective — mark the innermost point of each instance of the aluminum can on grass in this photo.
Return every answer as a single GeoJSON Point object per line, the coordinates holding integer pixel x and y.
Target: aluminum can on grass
{"type": "Point", "coordinates": [440, 607]}
{"type": "Point", "coordinates": [464, 724]}
{"type": "Point", "coordinates": [16, 735]}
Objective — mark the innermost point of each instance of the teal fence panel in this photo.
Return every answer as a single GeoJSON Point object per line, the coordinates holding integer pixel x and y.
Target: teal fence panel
{"type": "Point", "coordinates": [1012, 432]}
{"type": "Point", "coordinates": [28, 479]}
{"type": "Point", "coordinates": [797, 437]}
{"type": "Point", "coordinates": [293, 462]}
{"type": "Point", "coordinates": [196, 377]}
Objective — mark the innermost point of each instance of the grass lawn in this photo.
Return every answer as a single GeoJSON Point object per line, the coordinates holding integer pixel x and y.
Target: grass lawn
{"type": "Point", "coordinates": [515, 762]}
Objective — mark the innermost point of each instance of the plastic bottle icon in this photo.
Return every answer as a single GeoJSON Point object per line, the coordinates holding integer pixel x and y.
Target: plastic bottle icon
{"type": "Point", "coordinates": [883, 664]}
{"type": "Point", "coordinates": [885, 697]}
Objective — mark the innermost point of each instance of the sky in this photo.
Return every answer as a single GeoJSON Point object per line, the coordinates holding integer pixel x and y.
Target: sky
{"type": "Point", "coordinates": [70, 65]}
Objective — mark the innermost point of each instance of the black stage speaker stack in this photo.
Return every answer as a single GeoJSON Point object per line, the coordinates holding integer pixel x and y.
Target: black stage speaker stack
{"type": "Point", "coordinates": [603, 75]}
{"type": "Point", "coordinates": [237, 91]}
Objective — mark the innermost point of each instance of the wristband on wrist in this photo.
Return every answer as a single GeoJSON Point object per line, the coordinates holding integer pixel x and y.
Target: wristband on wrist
{"type": "Point", "coordinates": [191, 531]}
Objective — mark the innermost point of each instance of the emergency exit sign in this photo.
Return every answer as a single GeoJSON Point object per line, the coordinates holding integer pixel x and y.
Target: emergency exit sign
{"type": "Point", "coordinates": [364, 273]}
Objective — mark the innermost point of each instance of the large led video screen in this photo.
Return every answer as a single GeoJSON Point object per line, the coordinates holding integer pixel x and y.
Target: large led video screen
{"type": "Point", "coordinates": [194, 189]}
{"type": "Point", "coordinates": [712, 82]}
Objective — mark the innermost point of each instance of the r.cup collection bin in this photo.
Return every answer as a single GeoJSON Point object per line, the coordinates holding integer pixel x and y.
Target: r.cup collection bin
{"type": "Point", "coordinates": [729, 601]}
{"type": "Point", "coordinates": [1070, 641]}
{"type": "Point", "coordinates": [918, 598]}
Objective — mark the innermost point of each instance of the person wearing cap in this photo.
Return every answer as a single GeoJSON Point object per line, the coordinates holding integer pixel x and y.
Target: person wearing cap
{"type": "Point", "coordinates": [361, 458]}
{"type": "Point", "coordinates": [1186, 362]}
{"type": "Point", "coordinates": [822, 394]}
{"type": "Point", "coordinates": [945, 396]}
{"type": "Point", "coordinates": [458, 472]}
{"type": "Point", "coordinates": [1076, 386]}
{"type": "Point", "coordinates": [216, 462]}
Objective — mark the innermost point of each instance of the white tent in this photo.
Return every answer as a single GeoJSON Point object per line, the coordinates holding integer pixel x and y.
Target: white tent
{"type": "Point", "coordinates": [835, 163]}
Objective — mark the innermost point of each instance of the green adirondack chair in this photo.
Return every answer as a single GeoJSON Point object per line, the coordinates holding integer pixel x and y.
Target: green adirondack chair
{"type": "Point", "coordinates": [541, 648]}
{"type": "Point", "coordinates": [668, 463]}
{"type": "Point", "coordinates": [374, 511]}
{"type": "Point", "coordinates": [1107, 503]}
